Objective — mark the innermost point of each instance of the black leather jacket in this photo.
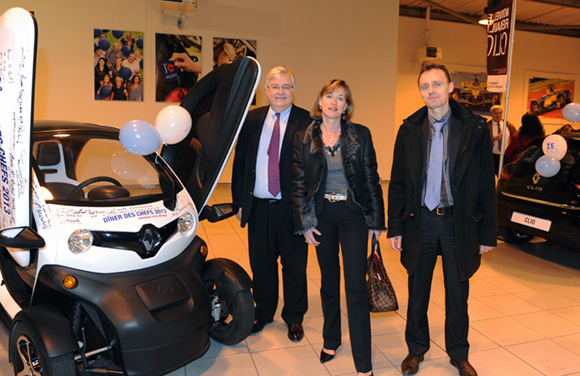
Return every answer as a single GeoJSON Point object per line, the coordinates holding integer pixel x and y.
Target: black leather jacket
{"type": "Point", "coordinates": [360, 169]}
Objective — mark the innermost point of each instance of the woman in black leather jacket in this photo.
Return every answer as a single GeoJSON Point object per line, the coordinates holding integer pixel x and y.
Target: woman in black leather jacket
{"type": "Point", "coordinates": [337, 199]}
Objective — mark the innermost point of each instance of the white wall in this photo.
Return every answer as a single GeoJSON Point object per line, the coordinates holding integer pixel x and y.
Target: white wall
{"type": "Point", "coordinates": [318, 40]}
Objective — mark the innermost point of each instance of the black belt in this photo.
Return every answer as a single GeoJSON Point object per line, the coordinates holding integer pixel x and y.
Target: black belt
{"type": "Point", "coordinates": [443, 211]}
{"type": "Point", "coordinates": [270, 201]}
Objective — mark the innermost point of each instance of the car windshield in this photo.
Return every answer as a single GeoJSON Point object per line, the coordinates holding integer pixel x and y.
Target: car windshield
{"type": "Point", "coordinates": [77, 167]}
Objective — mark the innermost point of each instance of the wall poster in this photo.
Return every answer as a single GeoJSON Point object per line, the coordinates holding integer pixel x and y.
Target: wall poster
{"type": "Point", "coordinates": [118, 65]}
{"type": "Point", "coordinates": [177, 65]}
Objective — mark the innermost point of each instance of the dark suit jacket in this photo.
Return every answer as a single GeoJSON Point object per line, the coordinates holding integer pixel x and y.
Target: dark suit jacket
{"type": "Point", "coordinates": [511, 129]}
{"type": "Point", "coordinates": [472, 185]}
{"type": "Point", "coordinates": [244, 169]}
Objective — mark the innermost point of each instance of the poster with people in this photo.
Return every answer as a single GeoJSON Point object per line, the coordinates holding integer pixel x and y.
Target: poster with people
{"type": "Point", "coordinates": [226, 50]}
{"type": "Point", "coordinates": [118, 65]}
{"type": "Point", "coordinates": [177, 65]}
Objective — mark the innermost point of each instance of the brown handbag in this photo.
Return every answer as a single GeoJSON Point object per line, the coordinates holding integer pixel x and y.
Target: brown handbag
{"type": "Point", "coordinates": [382, 297]}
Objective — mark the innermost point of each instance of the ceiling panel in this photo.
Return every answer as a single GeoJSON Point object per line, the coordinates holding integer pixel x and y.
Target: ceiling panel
{"type": "Point", "coordinates": [561, 17]}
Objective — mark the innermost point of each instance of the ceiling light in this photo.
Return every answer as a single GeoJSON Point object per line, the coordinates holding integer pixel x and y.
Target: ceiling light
{"type": "Point", "coordinates": [484, 20]}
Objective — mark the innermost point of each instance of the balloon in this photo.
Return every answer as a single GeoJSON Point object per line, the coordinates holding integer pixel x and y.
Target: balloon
{"type": "Point", "coordinates": [129, 166]}
{"type": "Point", "coordinates": [118, 34]}
{"type": "Point", "coordinates": [555, 145]}
{"type": "Point", "coordinates": [104, 44]}
{"type": "Point", "coordinates": [125, 73]}
{"type": "Point", "coordinates": [105, 91]}
{"type": "Point", "coordinates": [173, 124]}
{"type": "Point", "coordinates": [547, 166]}
{"type": "Point", "coordinates": [571, 112]}
{"type": "Point", "coordinates": [139, 43]}
{"type": "Point", "coordinates": [139, 137]}
{"type": "Point", "coordinates": [97, 32]}
{"type": "Point", "coordinates": [126, 50]}
{"type": "Point", "coordinates": [149, 180]}
{"type": "Point", "coordinates": [141, 63]}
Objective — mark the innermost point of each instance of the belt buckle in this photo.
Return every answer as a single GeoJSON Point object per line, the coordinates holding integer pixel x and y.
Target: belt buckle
{"type": "Point", "coordinates": [440, 211]}
{"type": "Point", "coordinates": [332, 197]}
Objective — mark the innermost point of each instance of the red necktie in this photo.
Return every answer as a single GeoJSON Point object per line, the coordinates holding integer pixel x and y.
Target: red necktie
{"type": "Point", "coordinates": [273, 159]}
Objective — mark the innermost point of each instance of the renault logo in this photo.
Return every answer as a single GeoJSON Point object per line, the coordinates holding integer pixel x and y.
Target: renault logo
{"type": "Point", "coordinates": [536, 178]}
{"type": "Point", "coordinates": [149, 238]}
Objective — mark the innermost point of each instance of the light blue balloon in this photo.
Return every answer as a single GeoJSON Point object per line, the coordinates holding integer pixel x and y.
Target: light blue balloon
{"type": "Point", "coordinates": [547, 166]}
{"type": "Point", "coordinates": [571, 112]}
{"type": "Point", "coordinates": [139, 137]}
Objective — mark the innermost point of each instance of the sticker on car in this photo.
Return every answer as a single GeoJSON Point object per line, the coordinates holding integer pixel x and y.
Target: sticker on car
{"type": "Point", "coordinates": [530, 221]}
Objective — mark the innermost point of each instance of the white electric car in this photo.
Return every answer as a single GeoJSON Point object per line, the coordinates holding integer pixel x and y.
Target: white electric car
{"type": "Point", "coordinates": [110, 277]}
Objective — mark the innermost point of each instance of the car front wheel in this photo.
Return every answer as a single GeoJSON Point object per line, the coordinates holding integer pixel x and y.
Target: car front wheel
{"type": "Point", "coordinates": [235, 324]}
{"type": "Point", "coordinates": [28, 360]}
{"type": "Point", "coordinates": [514, 237]}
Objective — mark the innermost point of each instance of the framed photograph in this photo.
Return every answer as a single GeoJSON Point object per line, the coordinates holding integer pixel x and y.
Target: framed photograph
{"type": "Point", "coordinates": [225, 50]}
{"type": "Point", "coordinates": [470, 88]}
{"type": "Point", "coordinates": [546, 94]}
{"type": "Point", "coordinates": [177, 65]}
{"type": "Point", "coordinates": [118, 65]}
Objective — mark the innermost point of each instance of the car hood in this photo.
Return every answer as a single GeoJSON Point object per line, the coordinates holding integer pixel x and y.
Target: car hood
{"type": "Point", "coordinates": [218, 104]}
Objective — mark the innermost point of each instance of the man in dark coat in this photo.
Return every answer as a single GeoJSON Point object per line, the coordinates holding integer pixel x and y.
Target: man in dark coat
{"type": "Point", "coordinates": [261, 185]}
{"type": "Point", "coordinates": [459, 225]}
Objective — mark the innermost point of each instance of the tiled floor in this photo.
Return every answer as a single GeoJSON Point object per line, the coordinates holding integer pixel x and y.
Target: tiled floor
{"type": "Point", "coordinates": [524, 308]}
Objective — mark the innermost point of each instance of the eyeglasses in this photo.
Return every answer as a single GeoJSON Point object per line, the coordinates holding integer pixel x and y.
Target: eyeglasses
{"type": "Point", "coordinates": [277, 87]}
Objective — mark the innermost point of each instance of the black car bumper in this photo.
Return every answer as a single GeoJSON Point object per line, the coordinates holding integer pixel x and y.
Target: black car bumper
{"type": "Point", "coordinates": [157, 319]}
{"type": "Point", "coordinates": [564, 226]}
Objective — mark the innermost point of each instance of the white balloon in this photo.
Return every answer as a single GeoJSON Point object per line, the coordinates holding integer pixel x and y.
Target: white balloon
{"type": "Point", "coordinates": [555, 146]}
{"type": "Point", "coordinates": [128, 165]}
{"type": "Point", "coordinates": [173, 124]}
{"type": "Point", "coordinates": [547, 166]}
{"type": "Point", "coordinates": [571, 112]}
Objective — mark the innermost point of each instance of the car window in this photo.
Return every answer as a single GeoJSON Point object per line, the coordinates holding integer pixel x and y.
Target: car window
{"type": "Point", "coordinates": [70, 168]}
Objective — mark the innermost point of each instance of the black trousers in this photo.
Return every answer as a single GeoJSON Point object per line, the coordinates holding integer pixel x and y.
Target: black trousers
{"type": "Point", "coordinates": [438, 238]}
{"type": "Point", "coordinates": [340, 224]}
{"type": "Point", "coordinates": [268, 240]}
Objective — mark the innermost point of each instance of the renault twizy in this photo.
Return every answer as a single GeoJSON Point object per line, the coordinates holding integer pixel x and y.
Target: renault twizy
{"type": "Point", "coordinates": [102, 269]}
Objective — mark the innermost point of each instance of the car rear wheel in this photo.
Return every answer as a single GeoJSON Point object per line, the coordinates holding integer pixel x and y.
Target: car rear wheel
{"type": "Point", "coordinates": [514, 237]}
{"type": "Point", "coordinates": [236, 324]}
{"type": "Point", "coordinates": [29, 361]}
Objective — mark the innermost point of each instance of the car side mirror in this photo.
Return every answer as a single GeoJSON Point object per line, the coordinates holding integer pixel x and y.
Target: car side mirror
{"type": "Point", "coordinates": [218, 212]}
{"type": "Point", "coordinates": [21, 237]}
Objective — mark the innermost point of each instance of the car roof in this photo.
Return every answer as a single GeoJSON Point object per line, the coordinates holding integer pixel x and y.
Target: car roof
{"type": "Point", "coordinates": [58, 126]}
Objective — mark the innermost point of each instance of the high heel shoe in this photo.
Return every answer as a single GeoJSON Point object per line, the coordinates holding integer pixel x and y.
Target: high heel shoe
{"type": "Point", "coordinates": [325, 357]}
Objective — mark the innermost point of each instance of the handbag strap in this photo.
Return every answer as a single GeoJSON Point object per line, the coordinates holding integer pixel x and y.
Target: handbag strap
{"type": "Point", "coordinates": [376, 247]}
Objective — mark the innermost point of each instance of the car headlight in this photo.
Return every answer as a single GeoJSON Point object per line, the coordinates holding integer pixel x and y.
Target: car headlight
{"type": "Point", "coordinates": [185, 222]}
{"type": "Point", "coordinates": [80, 241]}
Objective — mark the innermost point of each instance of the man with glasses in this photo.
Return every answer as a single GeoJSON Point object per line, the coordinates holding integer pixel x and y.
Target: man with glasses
{"type": "Point", "coordinates": [261, 186]}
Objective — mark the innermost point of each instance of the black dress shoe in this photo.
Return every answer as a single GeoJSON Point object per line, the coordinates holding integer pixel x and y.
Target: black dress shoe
{"type": "Point", "coordinates": [464, 368]}
{"type": "Point", "coordinates": [295, 332]}
{"type": "Point", "coordinates": [259, 325]}
{"type": "Point", "coordinates": [325, 357]}
{"type": "Point", "coordinates": [410, 364]}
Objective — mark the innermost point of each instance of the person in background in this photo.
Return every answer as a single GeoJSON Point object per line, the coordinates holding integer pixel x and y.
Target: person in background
{"type": "Point", "coordinates": [115, 54]}
{"type": "Point", "coordinates": [531, 129]}
{"type": "Point", "coordinates": [261, 183]}
{"type": "Point", "coordinates": [495, 126]}
{"type": "Point", "coordinates": [135, 89]}
{"type": "Point", "coordinates": [101, 70]}
{"type": "Point", "coordinates": [119, 89]}
{"type": "Point", "coordinates": [441, 203]}
{"type": "Point", "coordinates": [337, 201]}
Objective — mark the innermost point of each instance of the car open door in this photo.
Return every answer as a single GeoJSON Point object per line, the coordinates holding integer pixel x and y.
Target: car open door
{"type": "Point", "coordinates": [218, 104]}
